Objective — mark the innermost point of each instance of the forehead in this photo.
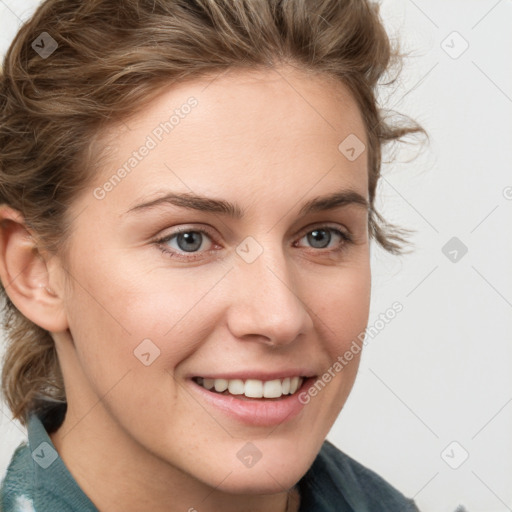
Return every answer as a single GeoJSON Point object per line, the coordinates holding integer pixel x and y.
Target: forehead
{"type": "Point", "coordinates": [274, 131]}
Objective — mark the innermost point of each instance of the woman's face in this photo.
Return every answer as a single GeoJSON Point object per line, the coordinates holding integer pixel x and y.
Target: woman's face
{"type": "Point", "coordinates": [251, 280]}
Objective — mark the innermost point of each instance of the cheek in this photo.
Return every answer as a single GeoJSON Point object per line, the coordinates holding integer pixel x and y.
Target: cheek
{"type": "Point", "coordinates": [115, 306]}
{"type": "Point", "coordinates": [341, 304]}
{"type": "Point", "coordinates": [113, 311]}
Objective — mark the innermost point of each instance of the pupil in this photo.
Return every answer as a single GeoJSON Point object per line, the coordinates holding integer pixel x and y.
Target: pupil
{"type": "Point", "coordinates": [316, 236]}
{"type": "Point", "coordinates": [189, 241]}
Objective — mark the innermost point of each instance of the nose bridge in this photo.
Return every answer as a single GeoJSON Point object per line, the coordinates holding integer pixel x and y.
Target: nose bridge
{"type": "Point", "coordinates": [265, 301]}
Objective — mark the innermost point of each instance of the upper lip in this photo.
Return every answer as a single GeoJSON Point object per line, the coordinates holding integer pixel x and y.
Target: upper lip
{"type": "Point", "coordinates": [258, 374]}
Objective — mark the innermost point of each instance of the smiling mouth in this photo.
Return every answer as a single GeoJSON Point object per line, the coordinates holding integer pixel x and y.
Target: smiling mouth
{"type": "Point", "coordinates": [253, 388]}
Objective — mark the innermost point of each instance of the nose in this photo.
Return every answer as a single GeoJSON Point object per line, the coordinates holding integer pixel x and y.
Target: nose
{"type": "Point", "coordinates": [266, 303]}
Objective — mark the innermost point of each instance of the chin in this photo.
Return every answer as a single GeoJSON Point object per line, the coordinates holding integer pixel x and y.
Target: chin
{"type": "Point", "coordinates": [280, 467]}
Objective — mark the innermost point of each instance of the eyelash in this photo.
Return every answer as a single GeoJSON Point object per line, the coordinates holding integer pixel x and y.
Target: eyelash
{"type": "Point", "coordinates": [161, 242]}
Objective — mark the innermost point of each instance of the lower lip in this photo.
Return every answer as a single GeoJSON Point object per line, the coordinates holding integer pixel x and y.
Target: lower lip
{"type": "Point", "coordinates": [259, 412]}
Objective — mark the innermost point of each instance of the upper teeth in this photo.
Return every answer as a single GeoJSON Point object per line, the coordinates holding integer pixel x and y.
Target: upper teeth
{"type": "Point", "coordinates": [253, 388]}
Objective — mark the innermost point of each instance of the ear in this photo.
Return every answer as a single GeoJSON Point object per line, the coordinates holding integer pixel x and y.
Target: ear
{"type": "Point", "coordinates": [24, 272]}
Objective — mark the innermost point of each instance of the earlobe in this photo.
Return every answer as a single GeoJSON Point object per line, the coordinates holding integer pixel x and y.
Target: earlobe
{"type": "Point", "coordinates": [25, 274]}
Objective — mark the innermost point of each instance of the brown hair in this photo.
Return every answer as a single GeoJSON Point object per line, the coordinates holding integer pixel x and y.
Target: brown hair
{"type": "Point", "coordinates": [113, 56]}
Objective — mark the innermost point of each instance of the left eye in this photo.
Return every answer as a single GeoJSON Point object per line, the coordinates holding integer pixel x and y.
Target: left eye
{"type": "Point", "coordinates": [320, 238]}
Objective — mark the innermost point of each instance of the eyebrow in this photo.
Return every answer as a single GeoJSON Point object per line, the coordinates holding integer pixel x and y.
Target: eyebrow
{"type": "Point", "coordinates": [221, 206]}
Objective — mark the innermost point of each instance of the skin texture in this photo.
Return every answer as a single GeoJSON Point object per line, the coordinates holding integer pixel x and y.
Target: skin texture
{"type": "Point", "coordinates": [135, 438]}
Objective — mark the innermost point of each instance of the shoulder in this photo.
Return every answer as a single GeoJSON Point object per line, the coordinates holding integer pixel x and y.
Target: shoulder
{"type": "Point", "coordinates": [337, 482]}
{"type": "Point", "coordinates": [16, 491]}
{"type": "Point", "coordinates": [38, 480]}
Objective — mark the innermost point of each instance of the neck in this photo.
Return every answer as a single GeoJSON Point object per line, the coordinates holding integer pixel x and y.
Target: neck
{"type": "Point", "coordinates": [117, 474]}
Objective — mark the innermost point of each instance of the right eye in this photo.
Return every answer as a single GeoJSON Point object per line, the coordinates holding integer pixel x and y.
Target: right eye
{"type": "Point", "coordinates": [185, 241]}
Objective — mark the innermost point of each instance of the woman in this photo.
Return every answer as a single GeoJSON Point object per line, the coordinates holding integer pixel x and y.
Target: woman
{"type": "Point", "coordinates": [156, 376]}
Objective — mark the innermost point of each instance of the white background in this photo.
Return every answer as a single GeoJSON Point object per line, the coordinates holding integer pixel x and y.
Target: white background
{"type": "Point", "coordinates": [440, 371]}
